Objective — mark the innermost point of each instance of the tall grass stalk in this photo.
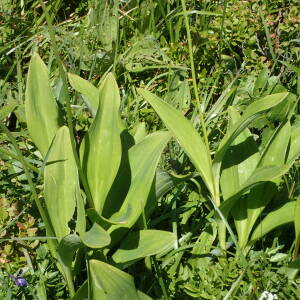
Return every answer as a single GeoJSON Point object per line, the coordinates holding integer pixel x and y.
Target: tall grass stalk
{"type": "Point", "coordinates": [195, 87]}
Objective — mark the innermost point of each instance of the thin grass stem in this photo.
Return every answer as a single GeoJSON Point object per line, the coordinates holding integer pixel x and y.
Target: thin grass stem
{"type": "Point", "coordinates": [195, 87]}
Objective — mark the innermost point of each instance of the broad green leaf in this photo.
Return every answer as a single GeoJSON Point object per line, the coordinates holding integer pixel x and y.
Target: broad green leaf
{"type": "Point", "coordinates": [253, 111]}
{"type": "Point", "coordinates": [297, 224]}
{"type": "Point", "coordinates": [239, 161]}
{"type": "Point", "coordinates": [260, 175]}
{"type": "Point", "coordinates": [292, 269]}
{"type": "Point", "coordinates": [108, 282]}
{"type": "Point", "coordinates": [87, 89]}
{"type": "Point", "coordinates": [165, 181]}
{"type": "Point", "coordinates": [67, 248]}
{"type": "Point", "coordinates": [144, 243]}
{"type": "Point", "coordinates": [261, 82]}
{"type": "Point", "coordinates": [82, 292]}
{"type": "Point", "coordinates": [275, 152]}
{"type": "Point", "coordinates": [143, 296]}
{"type": "Point", "coordinates": [178, 94]}
{"type": "Point", "coordinates": [238, 164]}
{"type": "Point", "coordinates": [7, 109]}
{"type": "Point", "coordinates": [294, 151]}
{"type": "Point", "coordinates": [121, 184]}
{"type": "Point", "coordinates": [276, 218]}
{"type": "Point", "coordinates": [106, 223]}
{"type": "Point", "coordinates": [222, 102]}
{"type": "Point", "coordinates": [248, 210]}
{"type": "Point", "coordinates": [96, 237]}
{"type": "Point", "coordinates": [249, 207]}
{"type": "Point", "coordinates": [139, 132]}
{"type": "Point", "coordinates": [143, 160]}
{"type": "Point", "coordinates": [187, 136]}
{"type": "Point", "coordinates": [61, 183]}
{"type": "Point", "coordinates": [42, 114]}
{"type": "Point", "coordinates": [101, 147]}
{"type": "Point", "coordinates": [203, 245]}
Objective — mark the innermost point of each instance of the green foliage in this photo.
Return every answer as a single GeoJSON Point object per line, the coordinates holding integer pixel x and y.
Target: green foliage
{"type": "Point", "coordinates": [205, 224]}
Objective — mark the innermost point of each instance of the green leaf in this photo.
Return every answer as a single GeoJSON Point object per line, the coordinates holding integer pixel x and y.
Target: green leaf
{"type": "Point", "coordinates": [101, 147]}
{"type": "Point", "coordinates": [143, 160]}
{"type": "Point", "coordinates": [7, 109]}
{"type": "Point", "coordinates": [108, 282]}
{"type": "Point", "coordinates": [87, 89]}
{"type": "Point", "coordinates": [139, 132]}
{"type": "Point", "coordinates": [96, 237]}
{"type": "Point", "coordinates": [42, 114]}
{"type": "Point", "coordinates": [276, 218]}
{"type": "Point", "coordinates": [275, 152]}
{"type": "Point", "coordinates": [104, 222]}
{"type": "Point", "coordinates": [261, 82]}
{"type": "Point", "coordinates": [297, 225]}
{"type": "Point", "coordinates": [61, 183]}
{"type": "Point", "coordinates": [239, 161]}
{"type": "Point", "coordinates": [238, 164]}
{"type": "Point", "coordinates": [294, 151]}
{"type": "Point", "coordinates": [292, 269]}
{"type": "Point", "coordinates": [186, 134]}
{"type": "Point", "coordinates": [104, 19]}
{"type": "Point", "coordinates": [144, 243]}
{"type": "Point", "coordinates": [247, 213]}
{"type": "Point", "coordinates": [143, 296]}
{"type": "Point", "coordinates": [121, 184]}
{"type": "Point", "coordinates": [253, 111]}
{"type": "Point", "coordinates": [260, 175]}
{"type": "Point", "coordinates": [67, 248]}
{"type": "Point", "coordinates": [82, 292]}
{"type": "Point", "coordinates": [165, 181]}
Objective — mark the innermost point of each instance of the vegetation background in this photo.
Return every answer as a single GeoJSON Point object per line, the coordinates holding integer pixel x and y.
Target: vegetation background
{"type": "Point", "coordinates": [210, 60]}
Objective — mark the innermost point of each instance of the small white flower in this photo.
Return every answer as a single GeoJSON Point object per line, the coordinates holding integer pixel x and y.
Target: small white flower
{"type": "Point", "coordinates": [268, 296]}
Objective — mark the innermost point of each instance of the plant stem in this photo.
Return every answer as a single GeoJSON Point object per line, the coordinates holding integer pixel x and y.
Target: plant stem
{"type": "Point", "coordinates": [222, 28]}
{"type": "Point", "coordinates": [194, 78]}
{"type": "Point", "coordinates": [216, 194]}
{"type": "Point", "coordinates": [160, 279]}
